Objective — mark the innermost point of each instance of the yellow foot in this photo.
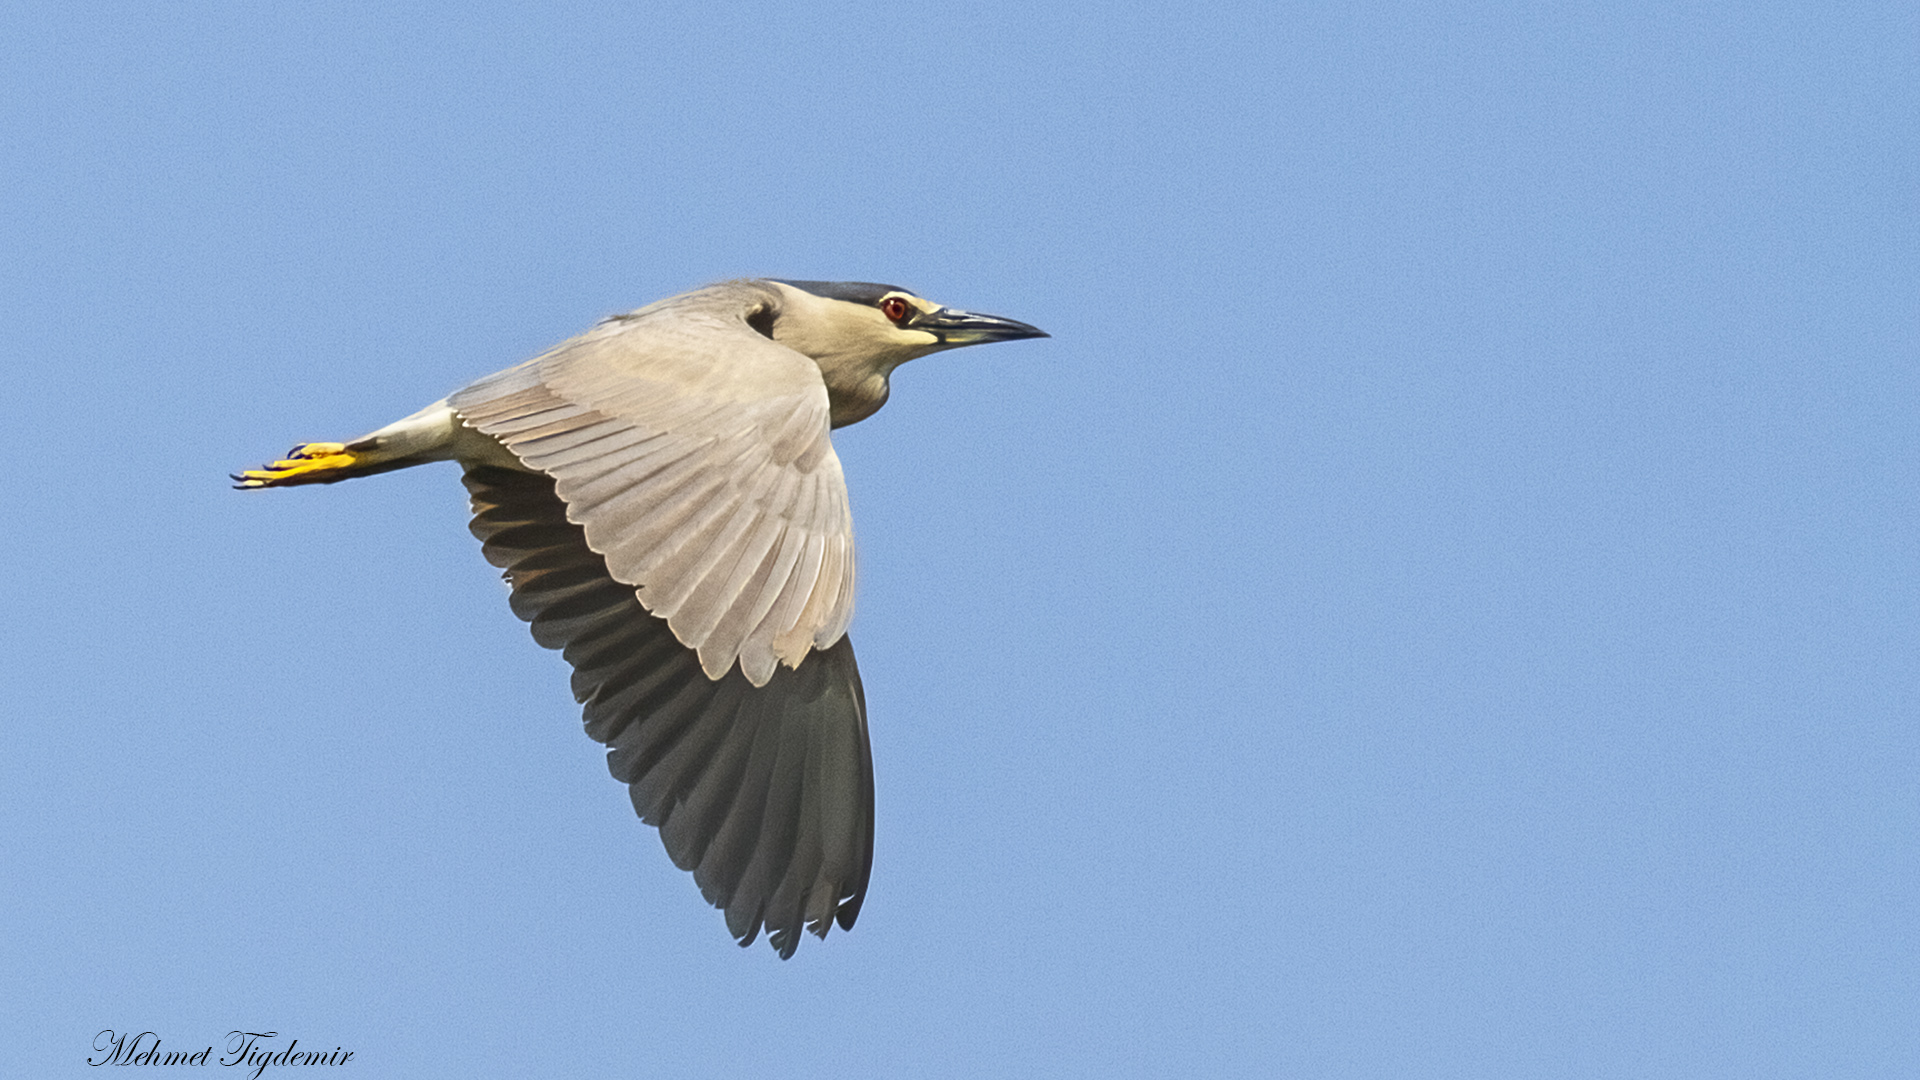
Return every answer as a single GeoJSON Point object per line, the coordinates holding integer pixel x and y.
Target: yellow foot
{"type": "Point", "coordinates": [308, 463]}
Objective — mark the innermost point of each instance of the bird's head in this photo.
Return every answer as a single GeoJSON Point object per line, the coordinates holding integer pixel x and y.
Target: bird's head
{"type": "Point", "coordinates": [880, 324]}
{"type": "Point", "coordinates": [859, 331]}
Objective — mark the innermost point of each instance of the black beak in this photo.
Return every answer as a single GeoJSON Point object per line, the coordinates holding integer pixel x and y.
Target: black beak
{"type": "Point", "coordinates": [955, 328]}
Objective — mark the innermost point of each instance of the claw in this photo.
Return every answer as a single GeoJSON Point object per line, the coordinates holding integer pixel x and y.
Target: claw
{"type": "Point", "coordinates": [307, 463]}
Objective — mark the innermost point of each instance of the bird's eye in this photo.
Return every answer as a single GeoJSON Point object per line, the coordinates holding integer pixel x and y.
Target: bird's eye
{"type": "Point", "coordinates": [894, 308]}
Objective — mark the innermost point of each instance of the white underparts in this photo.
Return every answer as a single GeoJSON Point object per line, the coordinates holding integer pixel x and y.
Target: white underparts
{"type": "Point", "coordinates": [435, 433]}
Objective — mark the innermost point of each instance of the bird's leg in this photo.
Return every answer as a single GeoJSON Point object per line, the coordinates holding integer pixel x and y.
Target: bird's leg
{"type": "Point", "coordinates": [432, 434]}
{"type": "Point", "coordinates": [308, 463]}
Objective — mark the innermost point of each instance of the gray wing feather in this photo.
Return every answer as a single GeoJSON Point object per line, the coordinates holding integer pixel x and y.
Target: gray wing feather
{"type": "Point", "coordinates": [764, 792]}
{"type": "Point", "coordinates": [695, 453]}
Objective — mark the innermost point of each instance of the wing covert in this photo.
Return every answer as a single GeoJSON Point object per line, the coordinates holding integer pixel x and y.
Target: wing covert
{"type": "Point", "coordinates": [695, 453]}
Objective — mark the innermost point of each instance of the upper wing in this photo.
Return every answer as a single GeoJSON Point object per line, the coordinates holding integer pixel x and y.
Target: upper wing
{"type": "Point", "coordinates": [695, 453]}
{"type": "Point", "coordinates": [764, 792]}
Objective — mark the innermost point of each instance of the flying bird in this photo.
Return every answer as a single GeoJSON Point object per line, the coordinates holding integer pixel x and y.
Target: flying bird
{"type": "Point", "coordinates": [662, 495]}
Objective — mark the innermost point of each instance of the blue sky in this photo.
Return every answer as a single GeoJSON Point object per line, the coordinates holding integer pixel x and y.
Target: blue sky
{"type": "Point", "coordinates": [1442, 604]}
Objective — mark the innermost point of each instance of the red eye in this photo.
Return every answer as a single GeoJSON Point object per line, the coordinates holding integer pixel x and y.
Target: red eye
{"type": "Point", "coordinates": [894, 308]}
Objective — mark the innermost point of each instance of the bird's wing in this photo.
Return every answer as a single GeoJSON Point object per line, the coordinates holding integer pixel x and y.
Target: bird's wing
{"type": "Point", "coordinates": [764, 792]}
{"type": "Point", "coordinates": [695, 453]}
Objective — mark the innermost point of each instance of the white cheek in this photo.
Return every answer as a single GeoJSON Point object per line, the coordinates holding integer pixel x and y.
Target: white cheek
{"type": "Point", "coordinates": [911, 344]}
{"type": "Point", "coordinates": [900, 346]}
{"type": "Point", "coordinates": [888, 336]}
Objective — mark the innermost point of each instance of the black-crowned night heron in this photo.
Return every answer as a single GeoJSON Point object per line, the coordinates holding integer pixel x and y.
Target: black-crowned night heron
{"type": "Point", "coordinates": [664, 498]}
